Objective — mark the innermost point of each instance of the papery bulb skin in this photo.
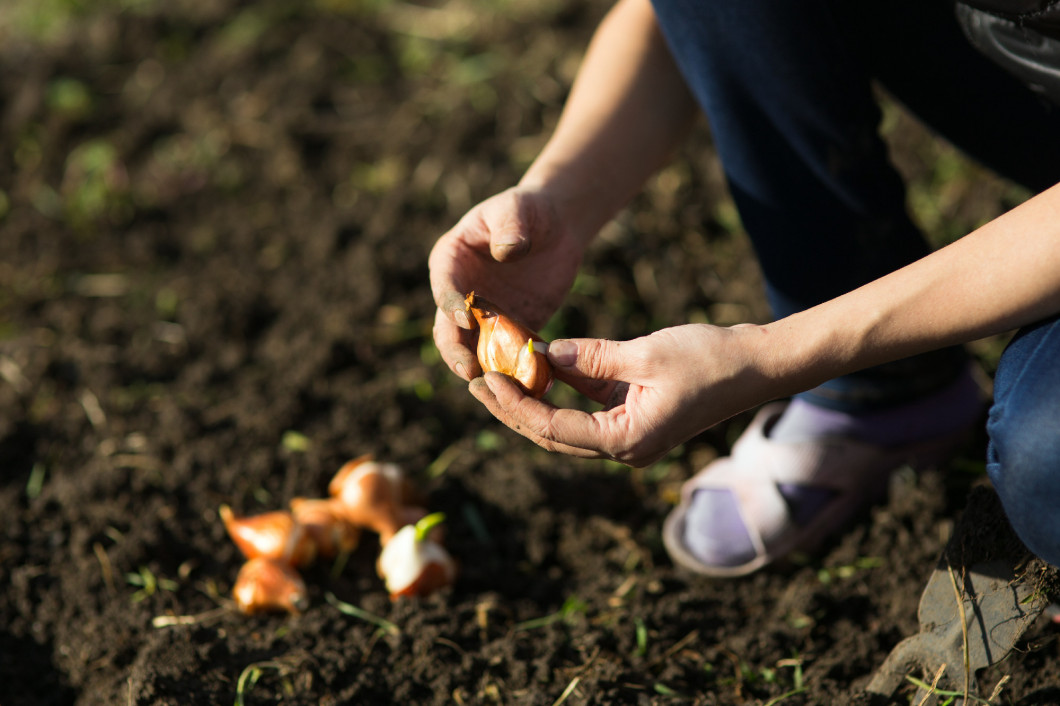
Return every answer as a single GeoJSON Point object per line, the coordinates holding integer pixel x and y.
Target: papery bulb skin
{"type": "Point", "coordinates": [271, 535]}
{"type": "Point", "coordinates": [325, 523]}
{"type": "Point", "coordinates": [414, 567]}
{"type": "Point", "coordinates": [267, 586]}
{"type": "Point", "coordinates": [435, 576]}
{"type": "Point", "coordinates": [369, 495]}
{"type": "Point", "coordinates": [506, 346]}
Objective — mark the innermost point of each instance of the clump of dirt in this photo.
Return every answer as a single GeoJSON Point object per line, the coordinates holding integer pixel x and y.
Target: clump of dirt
{"type": "Point", "coordinates": [213, 287]}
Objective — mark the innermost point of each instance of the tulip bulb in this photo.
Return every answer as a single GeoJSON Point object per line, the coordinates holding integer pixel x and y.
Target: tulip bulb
{"type": "Point", "coordinates": [414, 564]}
{"type": "Point", "coordinates": [370, 494]}
{"type": "Point", "coordinates": [325, 523]}
{"type": "Point", "coordinates": [411, 514]}
{"type": "Point", "coordinates": [271, 535]}
{"type": "Point", "coordinates": [265, 586]}
{"type": "Point", "coordinates": [508, 347]}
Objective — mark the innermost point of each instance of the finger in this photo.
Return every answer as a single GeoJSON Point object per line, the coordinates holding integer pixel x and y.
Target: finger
{"type": "Point", "coordinates": [510, 242]}
{"type": "Point", "coordinates": [455, 346]}
{"type": "Point", "coordinates": [592, 358]}
{"type": "Point", "coordinates": [529, 416]}
{"type": "Point", "coordinates": [600, 391]}
{"type": "Point", "coordinates": [447, 285]}
{"type": "Point", "coordinates": [568, 430]}
{"type": "Point", "coordinates": [510, 234]}
{"type": "Point", "coordinates": [593, 367]}
{"type": "Point", "coordinates": [453, 305]}
{"type": "Point", "coordinates": [601, 435]}
{"type": "Point", "coordinates": [604, 434]}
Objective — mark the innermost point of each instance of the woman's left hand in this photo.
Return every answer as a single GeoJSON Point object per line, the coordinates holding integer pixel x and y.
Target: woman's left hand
{"type": "Point", "coordinates": [658, 391]}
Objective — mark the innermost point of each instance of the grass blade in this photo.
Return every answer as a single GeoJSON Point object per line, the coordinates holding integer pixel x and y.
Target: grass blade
{"type": "Point", "coordinates": [350, 609]}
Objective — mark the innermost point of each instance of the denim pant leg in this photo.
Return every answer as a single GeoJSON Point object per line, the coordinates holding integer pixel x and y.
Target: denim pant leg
{"type": "Point", "coordinates": [1023, 459]}
{"type": "Point", "coordinates": [787, 89]}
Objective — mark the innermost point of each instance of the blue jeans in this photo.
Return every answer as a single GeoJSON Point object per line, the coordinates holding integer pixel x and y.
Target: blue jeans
{"type": "Point", "coordinates": [1023, 458]}
{"type": "Point", "coordinates": [787, 87]}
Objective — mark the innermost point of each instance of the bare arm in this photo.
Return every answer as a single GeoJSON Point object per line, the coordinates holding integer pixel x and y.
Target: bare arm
{"type": "Point", "coordinates": [1004, 275]}
{"type": "Point", "coordinates": [628, 110]}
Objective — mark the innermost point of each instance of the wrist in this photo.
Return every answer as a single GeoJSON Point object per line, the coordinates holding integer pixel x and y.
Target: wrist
{"type": "Point", "coordinates": [808, 348]}
{"type": "Point", "coordinates": [580, 202]}
{"type": "Point", "coordinates": [770, 362]}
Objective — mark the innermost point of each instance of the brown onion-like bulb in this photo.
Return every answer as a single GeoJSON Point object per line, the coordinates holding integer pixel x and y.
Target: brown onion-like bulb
{"type": "Point", "coordinates": [507, 346]}
{"type": "Point", "coordinates": [265, 586]}
{"type": "Point", "coordinates": [326, 525]}
{"type": "Point", "coordinates": [413, 563]}
{"type": "Point", "coordinates": [370, 494]}
{"type": "Point", "coordinates": [271, 535]}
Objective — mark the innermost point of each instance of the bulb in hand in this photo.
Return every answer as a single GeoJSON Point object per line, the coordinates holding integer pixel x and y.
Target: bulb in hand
{"type": "Point", "coordinates": [507, 346]}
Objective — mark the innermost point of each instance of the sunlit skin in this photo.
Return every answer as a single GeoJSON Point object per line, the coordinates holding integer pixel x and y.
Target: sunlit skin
{"type": "Point", "coordinates": [522, 248]}
{"type": "Point", "coordinates": [627, 111]}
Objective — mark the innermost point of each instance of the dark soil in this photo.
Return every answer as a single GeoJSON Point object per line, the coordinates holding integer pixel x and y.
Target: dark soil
{"type": "Point", "coordinates": [213, 289]}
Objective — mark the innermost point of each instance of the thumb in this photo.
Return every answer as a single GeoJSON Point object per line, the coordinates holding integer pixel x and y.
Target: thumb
{"type": "Point", "coordinates": [594, 358]}
{"type": "Point", "coordinates": [510, 242]}
{"type": "Point", "coordinates": [452, 304]}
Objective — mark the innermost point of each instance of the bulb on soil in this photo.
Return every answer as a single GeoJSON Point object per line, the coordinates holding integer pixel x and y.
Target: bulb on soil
{"type": "Point", "coordinates": [413, 563]}
{"type": "Point", "coordinates": [506, 346]}
{"type": "Point", "coordinates": [265, 586]}
{"type": "Point", "coordinates": [325, 523]}
{"type": "Point", "coordinates": [371, 495]}
{"type": "Point", "coordinates": [271, 535]}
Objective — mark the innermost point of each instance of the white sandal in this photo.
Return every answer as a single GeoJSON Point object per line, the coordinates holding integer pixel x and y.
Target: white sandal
{"type": "Point", "coordinates": [851, 474]}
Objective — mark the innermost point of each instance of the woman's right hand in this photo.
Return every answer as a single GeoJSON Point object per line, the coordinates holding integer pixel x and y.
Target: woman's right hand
{"type": "Point", "coordinates": [514, 250]}
{"type": "Point", "coordinates": [628, 109]}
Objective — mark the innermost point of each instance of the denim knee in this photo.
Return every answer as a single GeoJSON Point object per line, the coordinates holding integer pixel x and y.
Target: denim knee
{"type": "Point", "coordinates": [1023, 459]}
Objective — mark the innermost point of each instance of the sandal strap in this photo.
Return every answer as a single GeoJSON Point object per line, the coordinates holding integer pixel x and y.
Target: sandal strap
{"type": "Point", "coordinates": [758, 466]}
{"type": "Point", "coordinates": [830, 462]}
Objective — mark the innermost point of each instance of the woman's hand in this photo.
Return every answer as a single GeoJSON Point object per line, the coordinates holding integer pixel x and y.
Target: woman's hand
{"type": "Point", "coordinates": [511, 249]}
{"type": "Point", "coordinates": [628, 109]}
{"type": "Point", "coordinates": [658, 391]}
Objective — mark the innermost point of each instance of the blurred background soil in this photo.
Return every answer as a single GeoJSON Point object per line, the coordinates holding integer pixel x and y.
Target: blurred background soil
{"type": "Point", "coordinates": [214, 223]}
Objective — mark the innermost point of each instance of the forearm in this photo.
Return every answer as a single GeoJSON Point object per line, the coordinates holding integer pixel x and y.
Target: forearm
{"type": "Point", "coordinates": [628, 109]}
{"type": "Point", "coordinates": [998, 278]}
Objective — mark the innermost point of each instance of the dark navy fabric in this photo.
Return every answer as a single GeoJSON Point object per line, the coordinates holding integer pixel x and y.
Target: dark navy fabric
{"type": "Point", "coordinates": [788, 90]}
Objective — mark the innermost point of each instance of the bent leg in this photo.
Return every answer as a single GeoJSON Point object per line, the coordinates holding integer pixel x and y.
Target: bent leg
{"type": "Point", "coordinates": [788, 92]}
{"type": "Point", "coordinates": [795, 123]}
{"type": "Point", "coordinates": [1023, 459]}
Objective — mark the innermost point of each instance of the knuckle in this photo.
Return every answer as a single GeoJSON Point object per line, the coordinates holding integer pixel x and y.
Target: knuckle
{"type": "Point", "coordinates": [600, 358]}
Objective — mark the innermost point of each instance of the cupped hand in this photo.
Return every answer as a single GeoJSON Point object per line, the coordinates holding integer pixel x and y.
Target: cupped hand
{"type": "Point", "coordinates": [658, 391]}
{"type": "Point", "coordinates": [514, 250]}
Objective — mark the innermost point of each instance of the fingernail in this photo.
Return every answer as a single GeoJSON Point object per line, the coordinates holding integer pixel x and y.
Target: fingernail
{"type": "Point", "coordinates": [563, 353]}
{"type": "Point", "coordinates": [509, 246]}
{"type": "Point", "coordinates": [461, 318]}
{"type": "Point", "coordinates": [461, 371]}
{"type": "Point", "coordinates": [509, 239]}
